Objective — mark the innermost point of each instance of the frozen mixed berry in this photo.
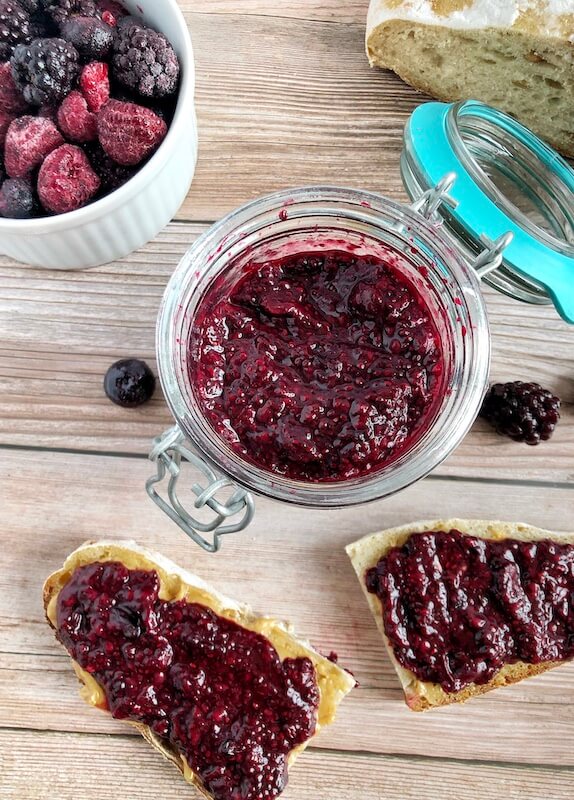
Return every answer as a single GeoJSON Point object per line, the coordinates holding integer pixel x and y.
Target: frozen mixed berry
{"type": "Point", "coordinates": [5, 120]}
{"type": "Point", "coordinates": [129, 383]}
{"type": "Point", "coordinates": [11, 99]}
{"type": "Point", "coordinates": [129, 132]}
{"type": "Point", "coordinates": [76, 121]}
{"type": "Point", "coordinates": [143, 60]}
{"type": "Point", "coordinates": [66, 180]}
{"type": "Point", "coordinates": [45, 70]}
{"type": "Point", "coordinates": [91, 36]}
{"type": "Point", "coordinates": [523, 411]}
{"type": "Point", "coordinates": [60, 10]}
{"type": "Point", "coordinates": [111, 174]}
{"type": "Point", "coordinates": [31, 6]}
{"type": "Point", "coordinates": [14, 27]}
{"type": "Point", "coordinates": [95, 85]}
{"type": "Point", "coordinates": [17, 199]}
{"type": "Point", "coordinates": [28, 142]}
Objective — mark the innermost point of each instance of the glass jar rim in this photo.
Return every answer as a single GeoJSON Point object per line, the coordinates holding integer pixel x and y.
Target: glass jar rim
{"type": "Point", "coordinates": [342, 206]}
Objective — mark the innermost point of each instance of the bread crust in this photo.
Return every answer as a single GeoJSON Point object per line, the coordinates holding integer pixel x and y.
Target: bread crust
{"type": "Point", "coordinates": [178, 584]}
{"type": "Point", "coordinates": [366, 553]}
{"type": "Point", "coordinates": [443, 39]}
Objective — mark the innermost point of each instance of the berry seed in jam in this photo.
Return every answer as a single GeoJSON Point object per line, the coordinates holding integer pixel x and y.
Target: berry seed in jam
{"type": "Point", "coordinates": [217, 692]}
{"type": "Point", "coordinates": [457, 608]}
{"type": "Point", "coordinates": [319, 366]}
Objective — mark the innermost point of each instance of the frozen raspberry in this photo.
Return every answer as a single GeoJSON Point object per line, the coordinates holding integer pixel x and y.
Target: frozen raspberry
{"type": "Point", "coordinates": [66, 180]}
{"type": "Point", "coordinates": [60, 10]}
{"type": "Point", "coordinates": [110, 11]}
{"type": "Point", "coordinates": [524, 411]}
{"type": "Point", "coordinates": [11, 99]}
{"type": "Point", "coordinates": [91, 37]}
{"type": "Point", "coordinates": [75, 120]}
{"type": "Point", "coordinates": [144, 60]}
{"type": "Point", "coordinates": [128, 132]}
{"type": "Point", "coordinates": [5, 120]}
{"type": "Point", "coordinates": [129, 383]}
{"type": "Point", "coordinates": [28, 142]}
{"type": "Point", "coordinates": [17, 199]}
{"type": "Point", "coordinates": [95, 85]}
{"type": "Point", "coordinates": [14, 27]}
{"type": "Point", "coordinates": [45, 70]}
{"type": "Point", "coordinates": [111, 175]}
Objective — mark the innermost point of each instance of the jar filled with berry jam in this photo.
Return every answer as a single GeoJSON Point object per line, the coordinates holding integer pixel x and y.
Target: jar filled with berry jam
{"type": "Point", "coordinates": [323, 347]}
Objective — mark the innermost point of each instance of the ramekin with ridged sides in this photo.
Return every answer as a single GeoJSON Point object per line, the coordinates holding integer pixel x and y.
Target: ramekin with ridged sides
{"type": "Point", "coordinates": [130, 216]}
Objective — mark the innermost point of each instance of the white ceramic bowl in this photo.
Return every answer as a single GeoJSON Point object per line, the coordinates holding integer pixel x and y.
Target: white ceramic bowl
{"type": "Point", "coordinates": [133, 214]}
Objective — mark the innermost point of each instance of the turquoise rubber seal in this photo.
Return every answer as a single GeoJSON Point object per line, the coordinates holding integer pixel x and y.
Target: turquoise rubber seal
{"type": "Point", "coordinates": [429, 137]}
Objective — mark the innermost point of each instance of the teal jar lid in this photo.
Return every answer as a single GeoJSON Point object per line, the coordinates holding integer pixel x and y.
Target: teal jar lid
{"type": "Point", "coordinates": [507, 181]}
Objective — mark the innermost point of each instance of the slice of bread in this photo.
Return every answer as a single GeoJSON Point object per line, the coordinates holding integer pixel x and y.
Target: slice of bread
{"type": "Point", "coordinates": [177, 584]}
{"type": "Point", "coordinates": [516, 55]}
{"type": "Point", "coordinates": [366, 553]}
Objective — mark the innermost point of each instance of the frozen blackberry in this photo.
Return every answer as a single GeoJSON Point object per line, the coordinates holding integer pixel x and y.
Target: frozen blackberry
{"type": "Point", "coordinates": [91, 37]}
{"type": "Point", "coordinates": [111, 175]}
{"type": "Point", "coordinates": [17, 199]}
{"type": "Point", "coordinates": [45, 70]}
{"type": "Point", "coordinates": [143, 60]}
{"type": "Point", "coordinates": [524, 411]}
{"type": "Point", "coordinates": [14, 27]}
{"type": "Point", "coordinates": [60, 10]}
{"type": "Point", "coordinates": [31, 6]}
{"type": "Point", "coordinates": [129, 383]}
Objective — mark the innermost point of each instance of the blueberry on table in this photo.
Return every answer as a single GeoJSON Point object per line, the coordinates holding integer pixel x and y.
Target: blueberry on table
{"type": "Point", "coordinates": [129, 383]}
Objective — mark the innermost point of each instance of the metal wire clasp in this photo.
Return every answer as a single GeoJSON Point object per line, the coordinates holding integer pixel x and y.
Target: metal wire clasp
{"type": "Point", "coordinates": [167, 452]}
{"type": "Point", "coordinates": [428, 204]}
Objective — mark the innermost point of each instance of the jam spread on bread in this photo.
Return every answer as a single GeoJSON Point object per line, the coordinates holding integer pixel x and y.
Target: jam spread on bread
{"type": "Point", "coordinates": [319, 366]}
{"type": "Point", "coordinates": [458, 608]}
{"type": "Point", "coordinates": [215, 691]}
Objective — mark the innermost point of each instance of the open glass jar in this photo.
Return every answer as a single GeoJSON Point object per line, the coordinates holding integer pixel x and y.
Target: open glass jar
{"type": "Point", "coordinates": [317, 219]}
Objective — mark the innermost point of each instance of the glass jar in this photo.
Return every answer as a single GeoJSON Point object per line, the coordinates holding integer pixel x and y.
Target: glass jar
{"type": "Point", "coordinates": [319, 218]}
{"type": "Point", "coordinates": [491, 201]}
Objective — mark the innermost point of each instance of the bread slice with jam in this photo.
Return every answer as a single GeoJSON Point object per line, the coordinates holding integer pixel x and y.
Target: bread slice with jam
{"type": "Point", "coordinates": [503, 617]}
{"type": "Point", "coordinates": [149, 633]}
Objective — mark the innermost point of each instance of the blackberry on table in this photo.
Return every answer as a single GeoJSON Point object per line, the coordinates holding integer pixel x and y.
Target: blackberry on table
{"type": "Point", "coordinates": [526, 412]}
{"type": "Point", "coordinates": [143, 60]}
{"type": "Point", "coordinates": [14, 27]}
{"type": "Point", "coordinates": [45, 70]}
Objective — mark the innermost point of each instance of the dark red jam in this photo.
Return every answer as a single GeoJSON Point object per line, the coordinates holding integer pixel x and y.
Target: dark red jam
{"type": "Point", "coordinates": [217, 692]}
{"type": "Point", "coordinates": [458, 608]}
{"type": "Point", "coordinates": [317, 366]}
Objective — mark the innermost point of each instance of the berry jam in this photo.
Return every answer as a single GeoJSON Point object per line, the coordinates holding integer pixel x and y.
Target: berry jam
{"type": "Point", "coordinates": [215, 691]}
{"type": "Point", "coordinates": [317, 366]}
{"type": "Point", "coordinates": [458, 608]}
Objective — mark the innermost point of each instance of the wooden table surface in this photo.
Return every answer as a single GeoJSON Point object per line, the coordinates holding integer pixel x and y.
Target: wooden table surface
{"type": "Point", "coordinates": [284, 97]}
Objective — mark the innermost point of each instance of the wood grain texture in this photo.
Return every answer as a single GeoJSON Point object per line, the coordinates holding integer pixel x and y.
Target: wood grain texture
{"type": "Point", "coordinates": [59, 331]}
{"type": "Point", "coordinates": [263, 566]}
{"type": "Point", "coordinates": [39, 767]}
{"type": "Point", "coordinates": [284, 103]}
{"type": "Point", "coordinates": [342, 12]}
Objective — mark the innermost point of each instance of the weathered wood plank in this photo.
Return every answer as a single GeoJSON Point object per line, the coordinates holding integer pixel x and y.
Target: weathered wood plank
{"type": "Point", "coordinates": [288, 103]}
{"type": "Point", "coordinates": [261, 566]}
{"type": "Point", "coordinates": [60, 331]}
{"type": "Point", "coordinates": [38, 766]}
{"type": "Point", "coordinates": [354, 11]}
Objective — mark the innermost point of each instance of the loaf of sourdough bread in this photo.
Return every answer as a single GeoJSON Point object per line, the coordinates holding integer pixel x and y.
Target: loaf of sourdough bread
{"type": "Point", "coordinates": [516, 55]}
{"type": "Point", "coordinates": [367, 552]}
{"type": "Point", "coordinates": [177, 584]}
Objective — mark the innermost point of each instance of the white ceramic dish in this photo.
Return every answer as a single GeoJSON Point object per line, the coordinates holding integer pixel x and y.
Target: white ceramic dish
{"type": "Point", "coordinates": [132, 215]}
